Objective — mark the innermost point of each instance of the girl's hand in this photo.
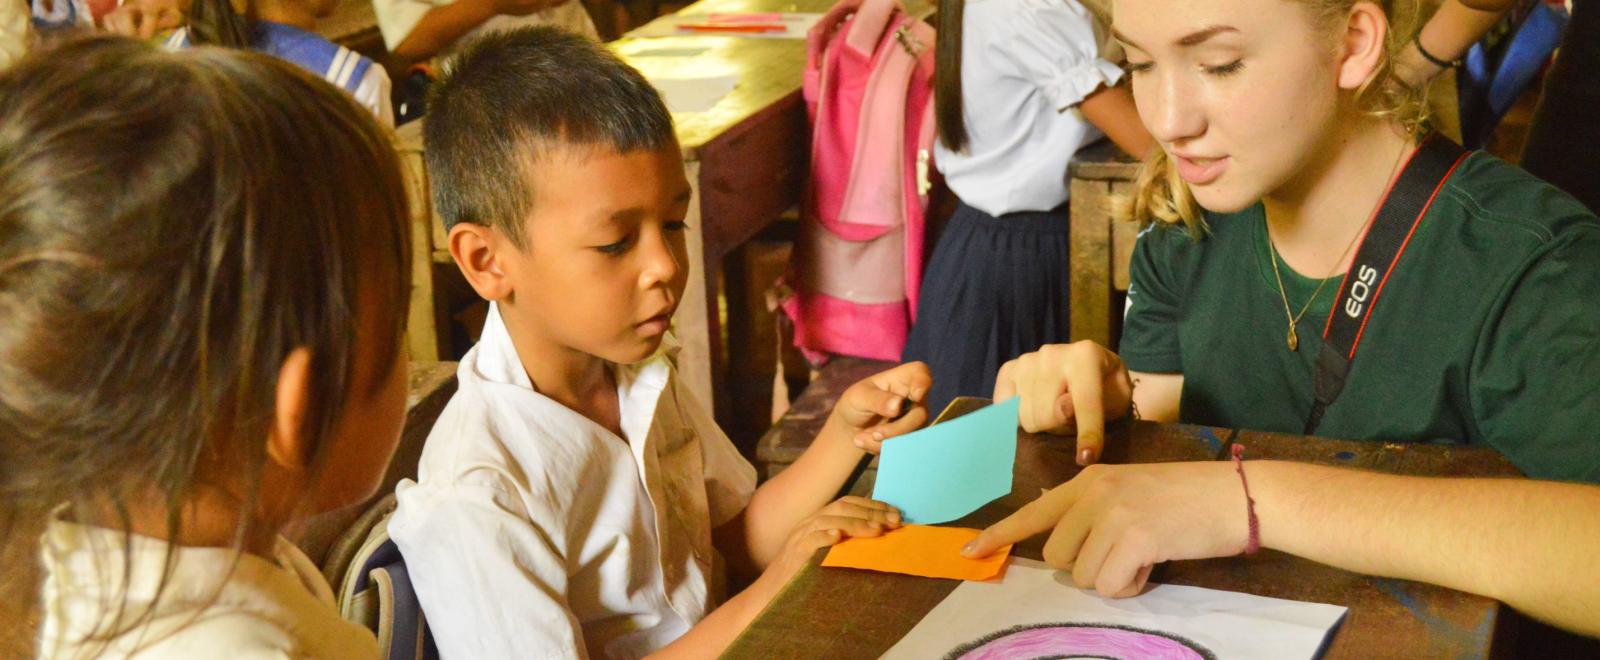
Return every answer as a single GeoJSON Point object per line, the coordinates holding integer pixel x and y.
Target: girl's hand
{"type": "Point", "coordinates": [1067, 386]}
{"type": "Point", "coordinates": [1112, 523]}
{"type": "Point", "coordinates": [885, 405]}
{"type": "Point", "coordinates": [848, 517]}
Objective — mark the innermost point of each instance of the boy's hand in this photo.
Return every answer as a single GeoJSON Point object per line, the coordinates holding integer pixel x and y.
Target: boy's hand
{"type": "Point", "coordinates": [885, 405]}
{"type": "Point", "coordinates": [847, 517]}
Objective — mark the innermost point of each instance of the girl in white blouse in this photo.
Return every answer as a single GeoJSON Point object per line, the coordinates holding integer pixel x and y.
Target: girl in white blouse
{"type": "Point", "coordinates": [194, 360]}
{"type": "Point", "coordinates": [1020, 86]}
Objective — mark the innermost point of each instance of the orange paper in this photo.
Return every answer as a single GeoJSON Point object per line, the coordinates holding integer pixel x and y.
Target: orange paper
{"type": "Point", "coordinates": [919, 550]}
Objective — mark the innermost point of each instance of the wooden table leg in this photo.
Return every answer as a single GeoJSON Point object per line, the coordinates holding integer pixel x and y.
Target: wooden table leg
{"type": "Point", "coordinates": [1091, 261]}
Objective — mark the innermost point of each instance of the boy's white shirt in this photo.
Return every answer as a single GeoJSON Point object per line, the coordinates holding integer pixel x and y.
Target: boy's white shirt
{"type": "Point", "coordinates": [534, 532]}
{"type": "Point", "coordinates": [396, 19]}
{"type": "Point", "coordinates": [210, 606]}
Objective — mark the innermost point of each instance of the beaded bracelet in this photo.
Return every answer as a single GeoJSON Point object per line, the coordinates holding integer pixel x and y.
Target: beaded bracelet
{"type": "Point", "coordinates": [1254, 543]}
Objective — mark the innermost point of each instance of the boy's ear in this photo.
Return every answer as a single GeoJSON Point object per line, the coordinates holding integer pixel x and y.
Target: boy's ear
{"type": "Point", "coordinates": [287, 445]}
{"type": "Point", "coordinates": [477, 250]}
{"type": "Point", "coordinates": [1362, 48]}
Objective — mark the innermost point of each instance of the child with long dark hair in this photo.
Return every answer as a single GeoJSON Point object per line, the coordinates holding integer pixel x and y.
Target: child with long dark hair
{"type": "Point", "coordinates": [203, 284]}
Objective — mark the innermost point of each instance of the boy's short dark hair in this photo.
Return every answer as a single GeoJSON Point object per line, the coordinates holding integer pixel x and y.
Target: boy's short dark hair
{"type": "Point", "coordinates": [509, 94]}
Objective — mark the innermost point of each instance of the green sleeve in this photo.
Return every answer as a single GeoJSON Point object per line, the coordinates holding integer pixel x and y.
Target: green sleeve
{"type": "Point", "coordinates": [1150, 340]}
{"type": "Point", "coordinates": [1535, 381]}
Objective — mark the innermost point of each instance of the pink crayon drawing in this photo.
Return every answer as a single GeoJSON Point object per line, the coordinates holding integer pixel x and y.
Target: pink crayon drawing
{"type": "Point", "coordinates": [1080, 640]}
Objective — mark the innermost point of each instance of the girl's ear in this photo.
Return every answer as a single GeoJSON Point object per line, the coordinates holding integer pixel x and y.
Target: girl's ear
{"type": "Point", "coordinates": [476, 250]}
{"type": "Point", "coordinates": [1362, 48]}
{"type": "Point", "coordinates": [287, 446]}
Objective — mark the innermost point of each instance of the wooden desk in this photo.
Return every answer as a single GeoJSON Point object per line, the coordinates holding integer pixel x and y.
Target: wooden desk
{"type": "Point", "coordinates": [1101, 180]}
{"type": "Point", "coordinates": [1388, 618]}
{"type": "Point", "coordinates": [747, 161]}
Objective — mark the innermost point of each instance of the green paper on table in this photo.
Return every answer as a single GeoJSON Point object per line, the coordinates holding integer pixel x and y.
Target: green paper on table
{"type": "Point", "coordinates": [919, 550]}
{"type": "Point", "coordinates": [948, 470]}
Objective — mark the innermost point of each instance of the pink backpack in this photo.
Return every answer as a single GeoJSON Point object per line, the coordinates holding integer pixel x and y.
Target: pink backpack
{"type": "Point", "coordinates": [858, 262]}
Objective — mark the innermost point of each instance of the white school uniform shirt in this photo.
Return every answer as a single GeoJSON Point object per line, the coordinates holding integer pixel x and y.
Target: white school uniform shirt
{"type": "Point", "coordinates": [1025, 65]}
{"type": "Point", "coordinates": [255, 608]}
{"type": "Point", "coordinates": [346, 69]}
{"type": "Point", "coordinates": [396, 19]}
{"type": "Point", "coordinates": [533, 532]}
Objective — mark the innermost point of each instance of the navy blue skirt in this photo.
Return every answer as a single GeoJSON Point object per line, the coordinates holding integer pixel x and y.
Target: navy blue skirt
{"type": "Point", "coordinates": [994, 289]}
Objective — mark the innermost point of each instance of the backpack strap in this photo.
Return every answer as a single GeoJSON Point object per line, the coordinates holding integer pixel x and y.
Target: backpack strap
{"type": "Point", "coordinates": [1397, 218]}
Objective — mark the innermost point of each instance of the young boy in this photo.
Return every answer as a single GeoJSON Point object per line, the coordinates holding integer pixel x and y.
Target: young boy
{"type": "Point", "coordinates": [574, 499]}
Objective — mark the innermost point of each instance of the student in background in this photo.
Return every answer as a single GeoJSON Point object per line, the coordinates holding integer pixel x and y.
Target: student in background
{"type": "Point", "coordinates": [1563, 142]}
{"type": "Point", "coordinates": [417, 30]}
{"type": "Point", "coordinates": [284, 28]}
{"type": "Point", "coordinates": [1020, 86]}
{"type": "Point", "coordinates": [574, 499]}
{"type": "Point", "coordinates": [1282, 127]}
{"type": "Point", "coordinates": [1446, 37]}
{"type": "Point", "coordinates": [202, 295]}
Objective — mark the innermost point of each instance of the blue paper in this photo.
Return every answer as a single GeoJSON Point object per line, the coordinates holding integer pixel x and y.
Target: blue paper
{"type": "Point", "coordinates": [948, 470]}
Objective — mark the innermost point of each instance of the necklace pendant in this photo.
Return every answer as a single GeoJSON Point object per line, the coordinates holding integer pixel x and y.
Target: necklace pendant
{"type": "Point", "coordinates": [1294, 340]}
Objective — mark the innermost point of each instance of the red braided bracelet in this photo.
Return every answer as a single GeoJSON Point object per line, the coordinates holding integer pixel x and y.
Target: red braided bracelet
{"type": "Point", "coordinates": [1254, 543]}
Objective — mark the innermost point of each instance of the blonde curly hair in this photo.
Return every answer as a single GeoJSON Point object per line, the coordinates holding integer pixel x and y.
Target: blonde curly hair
{"type": "Point", "coordinates": [1161, 195]}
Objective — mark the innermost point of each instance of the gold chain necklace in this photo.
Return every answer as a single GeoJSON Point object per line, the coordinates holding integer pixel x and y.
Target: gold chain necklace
{"type": "Point", "coordinates": [1293, 338]}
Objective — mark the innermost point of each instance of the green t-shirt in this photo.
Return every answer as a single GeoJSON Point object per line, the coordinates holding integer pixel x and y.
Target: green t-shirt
{"type": "Point", "coordinates": [1487, 332]}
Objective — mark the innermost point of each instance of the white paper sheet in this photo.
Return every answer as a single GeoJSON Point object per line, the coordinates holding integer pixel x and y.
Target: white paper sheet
{"type": "Point", "coordinates": [796, 26]}
{"type": "Point", "coordinates": [1036, 612]}
{"type": "Point", "coordinates": [694, 94]}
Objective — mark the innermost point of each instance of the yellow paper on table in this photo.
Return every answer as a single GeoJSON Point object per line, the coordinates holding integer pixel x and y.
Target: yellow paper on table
{"type": "Point", "coordinates": [919, 550]}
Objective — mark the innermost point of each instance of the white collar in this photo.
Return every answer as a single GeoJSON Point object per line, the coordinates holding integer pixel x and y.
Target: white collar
{"type": "Point", "coordinates": [639, 386]}
{"type": "Point", "coordinates": [86, 572]}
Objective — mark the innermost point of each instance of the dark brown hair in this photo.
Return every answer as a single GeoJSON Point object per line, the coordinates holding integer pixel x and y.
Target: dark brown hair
{"type": "Point", "coordinates": [947, 103]}
{"type": "Point", "coordinates": [172, 226]}
{"type": "Point", "coordinates": [510, 95]}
